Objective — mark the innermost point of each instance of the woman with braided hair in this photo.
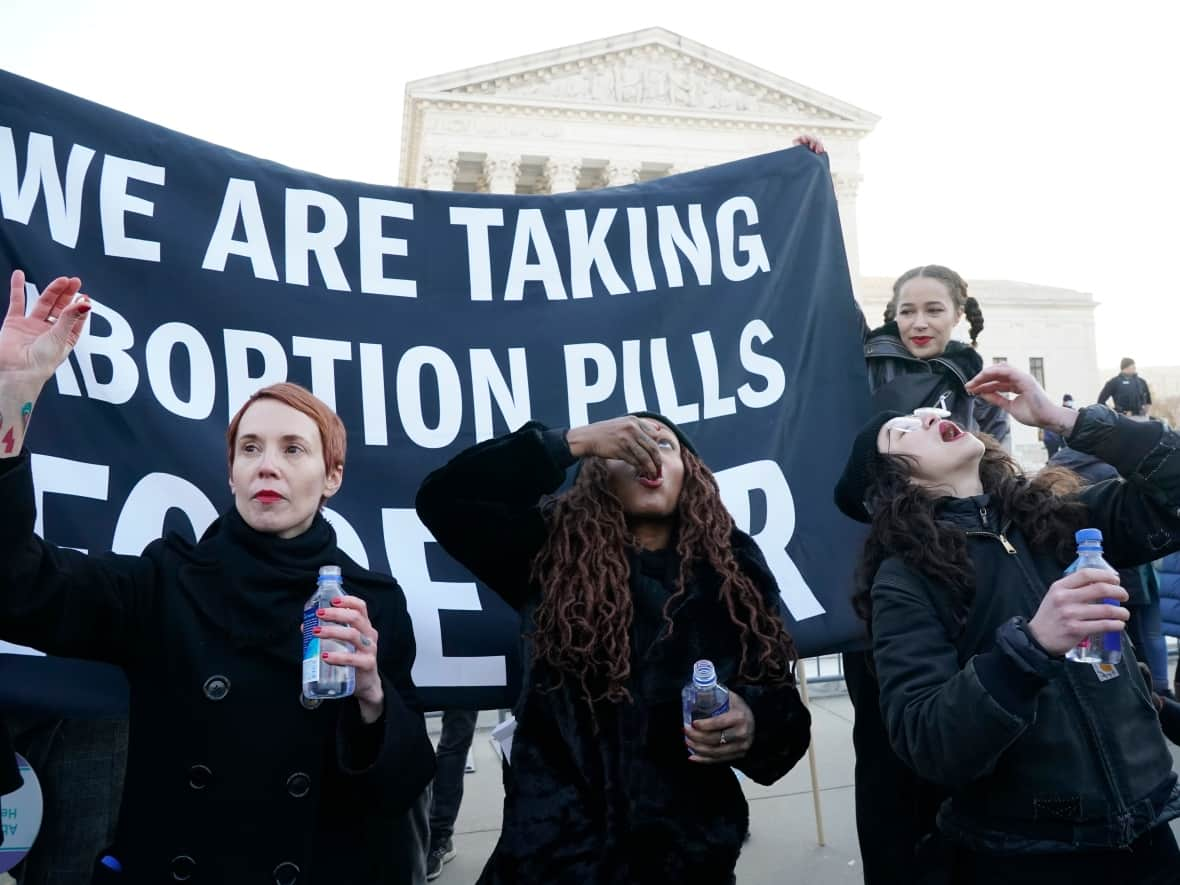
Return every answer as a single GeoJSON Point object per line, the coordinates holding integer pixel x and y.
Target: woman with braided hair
{"type": "Point", "coordinates": [622, 583]}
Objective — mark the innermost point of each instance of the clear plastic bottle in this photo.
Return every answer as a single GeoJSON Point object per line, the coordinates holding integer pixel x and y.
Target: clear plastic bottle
{"type": "Point", "coordinates": [1099, 648]}
{"type": "Point", "coordinates": [322, 680]}
{"type": "Point", "coordinates": [703, 697]}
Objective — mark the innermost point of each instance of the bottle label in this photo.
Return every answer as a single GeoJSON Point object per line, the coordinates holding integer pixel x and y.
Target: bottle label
{"type": "Point", "coordinates": [311, 647]}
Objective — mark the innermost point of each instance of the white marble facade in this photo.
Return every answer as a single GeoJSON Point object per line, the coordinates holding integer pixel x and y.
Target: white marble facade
{"type": "Point", "coordinates": [616, 111]}
{"type": "Point", "coordinates": [651, 103]}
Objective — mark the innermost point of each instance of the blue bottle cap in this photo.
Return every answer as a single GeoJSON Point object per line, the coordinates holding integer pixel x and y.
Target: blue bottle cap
{"type": "Point", "coordinates": [1088, 536]}
{"type": "Point", "coordinates": [111, 863]}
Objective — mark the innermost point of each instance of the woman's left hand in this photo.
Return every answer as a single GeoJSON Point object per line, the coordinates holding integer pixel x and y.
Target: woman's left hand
{"type": "Point", "coordinates": [724, 739]}
{"type": "Point", "coordinates": [348, 619]}
{"type": "Point", "coordinates": [1030, 404]}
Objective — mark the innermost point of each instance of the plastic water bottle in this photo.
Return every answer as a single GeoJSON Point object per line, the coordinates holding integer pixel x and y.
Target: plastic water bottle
{"type": "Point", "coordinates": [704, 697]}
{"type": "Point", "coordinates": [1099, 648]}
{"type": "Point", "coordinates": [322, 680]}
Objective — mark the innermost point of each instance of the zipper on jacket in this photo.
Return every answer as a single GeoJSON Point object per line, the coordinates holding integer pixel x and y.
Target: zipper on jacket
{"type": "Point", "coordinates": [1008, 548]}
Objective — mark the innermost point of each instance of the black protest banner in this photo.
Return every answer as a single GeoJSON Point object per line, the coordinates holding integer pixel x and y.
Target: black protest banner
{"type": "Point", "coordinates": [430, 321]}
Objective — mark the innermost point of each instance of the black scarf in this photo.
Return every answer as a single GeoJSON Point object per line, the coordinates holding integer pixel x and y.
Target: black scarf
{"type": "Point", "coordinates": [253, 585]}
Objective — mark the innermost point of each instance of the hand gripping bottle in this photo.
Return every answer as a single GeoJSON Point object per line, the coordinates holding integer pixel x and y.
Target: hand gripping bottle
{"type": "Point", "coordinates": [1099, 648]}
{"type": "Point", "coordinates": [322, 680]}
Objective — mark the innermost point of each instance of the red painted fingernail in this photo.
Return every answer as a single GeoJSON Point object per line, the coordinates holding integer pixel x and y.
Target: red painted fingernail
{"type": "Point", "coordinates": [316, 630]}
{"type": "Point", "coordinates": [84, 309]}
{"type": "Point", "coordinates": [320, 612]}
{"type": "Point", "coordinates": [324, 656]}
{"type": "Point", "coordinates": [336, 601]}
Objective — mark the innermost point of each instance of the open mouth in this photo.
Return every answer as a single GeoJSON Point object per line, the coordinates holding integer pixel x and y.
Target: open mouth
{"type": "Point", "coordinates": [651, 482]}
{"type": "Point", "coordinates": [950, 431]}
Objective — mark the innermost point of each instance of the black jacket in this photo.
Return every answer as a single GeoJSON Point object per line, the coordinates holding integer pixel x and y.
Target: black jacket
{"type": "Point", "coordinates": [1130, 393]}
{"type": "Point", "coordinates": [231, 778]}
{"type": "Point", "coordinates": [610, 799]}
{"type": "Point", "coordinates": [900, 380]}
{"type": "Point", "coordinates": [1041, 754]}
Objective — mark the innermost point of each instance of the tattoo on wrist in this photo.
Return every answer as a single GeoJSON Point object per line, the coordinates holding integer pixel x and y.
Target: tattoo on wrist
{"type": "Point", "coordinates": [25, 412]}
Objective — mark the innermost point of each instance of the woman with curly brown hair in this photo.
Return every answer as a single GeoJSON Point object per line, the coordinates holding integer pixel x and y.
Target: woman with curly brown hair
{"type": "Point", "coordinates": [1054, 769]}
{"type": "Point", "coordinates": [622, 583]}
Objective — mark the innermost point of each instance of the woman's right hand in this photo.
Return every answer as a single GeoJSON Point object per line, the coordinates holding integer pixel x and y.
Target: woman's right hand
{"type": "Point", "coordinates": [627, 439]}
{"type": "Point", "coordinates": [33, 346]}
{"type": "Point", "coordinates": [1073, 609]}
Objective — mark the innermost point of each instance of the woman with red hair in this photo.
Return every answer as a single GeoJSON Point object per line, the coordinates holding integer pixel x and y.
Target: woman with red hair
{"type": "Point", "coordinates": [622, 583]}
{"type": "Point", "coordinates": [232, 775]}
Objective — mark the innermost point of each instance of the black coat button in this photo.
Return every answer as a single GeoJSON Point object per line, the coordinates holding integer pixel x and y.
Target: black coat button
{"type": "Point", "coordinates": [183, 867]}
{"type": "Point", "coordinates": [199, 777]}
{"type": "Point", "coordinates": [309, 703]}
{"type": "Point", "coordinates": [286, 873]}
{"type": "Point", "coordinates": [216, 688]}
{"type": "Point", "coordinates": [298, 784]}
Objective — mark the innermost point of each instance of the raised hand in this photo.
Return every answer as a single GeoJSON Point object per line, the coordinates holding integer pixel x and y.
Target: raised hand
{"type": "Point", "coordinates": [33, 346]}
{"type": "Point", "coordinates": [1029, 404]}
{"type": "Point", "coordinates": [629, 439]}
{"type": "Point", "coordinates": [811, 142]}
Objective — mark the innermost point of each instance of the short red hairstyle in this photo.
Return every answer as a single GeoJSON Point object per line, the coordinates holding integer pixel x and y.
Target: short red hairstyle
{"type": "Point", "coordinates": [333, 437]}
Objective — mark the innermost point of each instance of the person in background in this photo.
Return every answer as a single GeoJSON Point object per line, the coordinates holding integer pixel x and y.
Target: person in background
{"type": "Point", "coordinates": [1131, 394]}
{"type": "Point", "coordinates": [458, 729]}
{"type": "Point", "coordinates": [1052, 440]}
{"type": "Point", "coordinates": [232, 775]}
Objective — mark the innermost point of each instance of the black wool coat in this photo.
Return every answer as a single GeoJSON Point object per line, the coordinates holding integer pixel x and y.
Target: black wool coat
{"type": "Point", "coordinates": [232, 776]}
{"type": "Point", "coordinates": [608, 795]}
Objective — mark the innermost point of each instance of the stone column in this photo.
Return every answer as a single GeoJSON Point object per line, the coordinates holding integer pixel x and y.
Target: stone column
{"type": "Point", "coordinates": [561, 174]}
{"type": "Point", "coordinates": [620, 172]}
{"type": "Point", "coordinates": [438, 172]}
{"type": "Point", "coordinates": [500, 172]}
{"type": "Point", "coordinates": [846, 185]}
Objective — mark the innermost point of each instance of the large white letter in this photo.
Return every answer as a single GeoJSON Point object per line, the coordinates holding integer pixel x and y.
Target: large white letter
{"type": "Point", "coordinates": [375, 246]}
{"type": "Point", "coordinates": [347, 538]}
{"type": "Point", "coordinates": [323, 353]}
{"type": "Point", "coordinates": [241, 200]}
{"type": "Point", "coordinates": [479, 254]}
{"type": "Point", "coordinates": [373, 395]}
{"type": "Point", "coordinates": [61, 476]}
{"type": "Point", "coordinates": [716, 405]}
{"type": "Point", "coordinates": [142, 519]}
{"type": "Point", "coordinates": [695, 248]}
{"type": "Point", "coordinates": [405, 548]}
{"type": "Point", "coordinates": [530, 228]}
{"type": "Point", "coordinates": [487, 383]}
{"type": "Point", "coordinates": [579, 390]}
{"type": "Point", "coordinates": [113, 348]}
{"type": "Point", "coordinates": [661, 370]}
{"type": "Point", "coordinates": [239, 383]}
{"type": "Point", "coordinates": [763, 366]}
{"type": "Point", "coordinates": [735, 484]}
{"type": "Point", "coordinates": [114, 202]}
{"type": "Point", "coordinates": [301, 241]}
{"type": "Point", "coordinates": [749, 244]}
{"type": "Point", "coordinates": [409, 397]}
{"type": "Point", "coordinates": [588, 250]}
{"type": "Point", "coordinates": [202, 375]}
{"type": "Point", "coordinates": [63, 207]}
{"type": "Point", "coordinates": [645, 280]}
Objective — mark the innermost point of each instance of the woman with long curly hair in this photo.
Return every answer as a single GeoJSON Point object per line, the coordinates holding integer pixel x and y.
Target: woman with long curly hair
{"type": "Point", "coordinates": [1054, 769]}
{"type": "Point", "coordinates": [622, 583]}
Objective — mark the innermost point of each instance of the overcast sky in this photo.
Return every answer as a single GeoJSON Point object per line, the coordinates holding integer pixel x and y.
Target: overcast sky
{"type": "Point", "coordinates": [1033, 141]}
